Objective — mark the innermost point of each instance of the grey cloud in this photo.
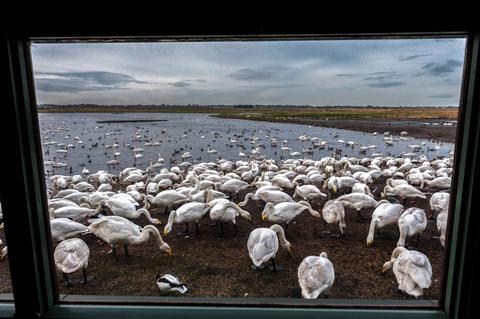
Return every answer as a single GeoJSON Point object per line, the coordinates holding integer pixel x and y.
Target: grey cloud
{"type": "Point", "coordinates": [441, 69]}
{"type": "Point", "coordinates": [265, 73]}
{"type": "Point", "coordinates": [180, 84]}
{"type": "Point", "coordinates": [411, 57]}
{"type": "Point", "coordinates": [82, 81]}
{"type": "Point", "coordinates": [385, 84]}
{"type": "Point", "coordinates": [441, 96]}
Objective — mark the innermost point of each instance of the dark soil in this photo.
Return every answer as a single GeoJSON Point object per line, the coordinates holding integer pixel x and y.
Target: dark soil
{"type": "Point", "coordinates": [219, 266]}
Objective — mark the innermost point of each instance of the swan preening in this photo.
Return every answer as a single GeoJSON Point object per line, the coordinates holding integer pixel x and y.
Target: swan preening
{"type": "Point", "coordinates": [315, 275]}
{"type": "Point", "coordinates": [116, 230]}
{"type": "Point", "coordinates": [70, 256]}
{"type": "Point", "coordinates": [262, 245]}
{"type": "Point", "coordinates": [412, 270]}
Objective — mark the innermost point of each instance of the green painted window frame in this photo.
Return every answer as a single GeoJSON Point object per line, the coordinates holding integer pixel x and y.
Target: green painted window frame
{"type": "Point", "coordinates": [35, 292]}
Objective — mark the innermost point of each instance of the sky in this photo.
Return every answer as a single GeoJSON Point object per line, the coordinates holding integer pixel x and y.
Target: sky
{"type": "Point", "coordinates": [394, 72]}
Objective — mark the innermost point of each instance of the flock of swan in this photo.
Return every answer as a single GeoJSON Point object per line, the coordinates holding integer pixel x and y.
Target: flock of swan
{"type": "Point", "coordinates": [106, 205]}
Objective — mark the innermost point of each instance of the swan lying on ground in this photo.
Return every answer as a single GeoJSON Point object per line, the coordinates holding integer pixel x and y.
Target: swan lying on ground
{"type": "Point", "coordinates": [412, 270]}
{"type": "Point", "coordinates": [315, 275]}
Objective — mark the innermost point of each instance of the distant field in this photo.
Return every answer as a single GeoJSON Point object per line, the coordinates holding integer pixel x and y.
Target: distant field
{"type": "Point", "coordinates": [276, 114]}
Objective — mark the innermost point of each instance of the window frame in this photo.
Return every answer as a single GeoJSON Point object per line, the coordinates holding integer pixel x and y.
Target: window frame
{"type": "Point", "coordinates": [28, 235]}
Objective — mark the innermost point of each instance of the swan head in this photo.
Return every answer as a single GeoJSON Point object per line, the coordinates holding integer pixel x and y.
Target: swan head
{"type": "Point", "coordinates": [166, 248]}
{"type": "Point", "coordinates": [369, 241]}
{"type": "Point", "coordinates": [288, 247]}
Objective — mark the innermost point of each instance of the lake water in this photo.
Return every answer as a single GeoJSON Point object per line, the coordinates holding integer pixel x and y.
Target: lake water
{"type": "Point", "coordinates": [176, 133]}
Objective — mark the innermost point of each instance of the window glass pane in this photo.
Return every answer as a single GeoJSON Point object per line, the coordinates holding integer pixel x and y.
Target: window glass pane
{"type": "Point", "coordinates": [346, 145]}
{"type": "Point", "coordinates": [5, 281]}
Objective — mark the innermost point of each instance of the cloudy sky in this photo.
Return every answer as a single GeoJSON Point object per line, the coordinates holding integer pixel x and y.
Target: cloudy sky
{"type": "Point", "coordinates": [341, 72]}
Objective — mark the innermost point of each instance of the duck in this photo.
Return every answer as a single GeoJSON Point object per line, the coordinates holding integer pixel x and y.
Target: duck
{"type": "Point", "coordinates": [165, 199]}
{"type": "Point", "coordinates": [286, 212]}
{"type": "Point", "coordinates": [385, 214]}
{"type": "Point", "coordinates": [413, 221]}
{"type": "Point", "coordinates": [117, 230]}
{"type": "Point", "coordinates": [121, 206]}
{"type": "Point", "coordinates": [315, 275]}
{"type": "Point", "coordinates": [225, 212]}
{"type": "Point", "coordinates": [412, 270]}
{"type": "Point", "coordinates": [333, 212]}
{"type": "Point", "coordinates": [70, 256]}
{"type": "Point", "coordinates": [263, 243]}
{"type": "Point", "coordinates": [64, 228]}
{"type": "Point", "coordinates": [308, 192]}
{"type": "Point", "coordinates": [169, 283]}
{"type": "Point", "coordinates": [191, 212]}
{"type": "Point", "coordinates": [442, 220]}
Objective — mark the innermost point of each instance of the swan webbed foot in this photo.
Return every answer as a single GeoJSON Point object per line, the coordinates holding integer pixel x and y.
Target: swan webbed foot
{"type": "Point", "coordinates": [87, 279]}
{"type": "Point", "coordinates": [274, 267]}
{"type": "Point", "coordinates": [258, 268]}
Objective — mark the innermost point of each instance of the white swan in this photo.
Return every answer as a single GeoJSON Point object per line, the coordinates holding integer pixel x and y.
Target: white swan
{"type": "Point", "coordinates": [315, 275]}
{"type": "Point", "coordinates": [169, 283]}
{"type": "Point", "coordinates": [308, 192]}
{"type": "Point", "coordinates": [443, 182]}
{"type": "Point", "coordinates": [124, 208]}
{"type": "Point", "coordinates": [286, 212]}
{"type": "Point", "coordinates": [403, 190]}
{"type": "Point", "coordinates": [187, 213]}
{"type": "Point", "coordinates": [359, 201]}
{"type": "Point", "coordinates": [413, 221]}
{"type": "Point", "coordinates": [165, 199]}
{"type": "Point", "coordinates": [442, 219]}
{"type": "Point", "coordinates": [73, 212]}
{"type": "Point", "coordinates": [64, 228]}
{"type": "Point", "coordinates": [385, 214]}
{"type": "Point", "coordinates": [267, 194]}
{"type": "Point", "coordinates": [116, 230]}
{"type": "Point", "coordinates": [333, 212]}
{"type": "Point", "coordinates": [412, 270]}
{"type": "Point", "coordinates": [71, 255]}
{"type": "Point", "coordinates": [226, 212]}
{"type": "Point", "coordinates": [439, 201]}
{"type": "Point", "coordinates": [262, 245]}
{"type": "Point", "coordinates": [234, 186]}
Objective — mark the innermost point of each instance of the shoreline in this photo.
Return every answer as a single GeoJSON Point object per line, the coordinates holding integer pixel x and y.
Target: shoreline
{"type": "Point", "coordinates": [415, 127]}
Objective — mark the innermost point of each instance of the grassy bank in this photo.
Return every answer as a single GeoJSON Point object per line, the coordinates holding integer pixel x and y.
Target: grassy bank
{"type": "Point", "coordinates": [283, 114]}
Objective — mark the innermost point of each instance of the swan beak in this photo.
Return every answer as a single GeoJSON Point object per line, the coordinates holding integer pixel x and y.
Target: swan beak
{"type": "Point", "coordinates": [170, 252]}
{"type": "Point", "coordinates": [383, 270]}
{"type": "Point", "coordinates": [289, 252]}
{"type": "Point", "coordinates": [165, 232]}
{"type": "Point", "coordinates": [369, 243]}
{"type": "Point", "coordinates": [264, 216]}
{"type": "Point", "coordinates": [334, 188]}
{"type": "Point", "coordinates": [158, 222]}
{"type": "Point", "coordinates": [249, 220]}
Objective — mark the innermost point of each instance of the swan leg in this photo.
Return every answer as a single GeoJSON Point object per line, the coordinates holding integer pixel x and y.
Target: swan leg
{"type": "Point", "coordinates": [126, 251]}
{"type": "Point", "coordinates": [274, 267]}
{"type": "Point", "coordinates": [65, 278]}
{"type": "Point", "coordinates": [196, 228]}
{"type": "Point", "coordinates": [187, 232]}
{"type": "Point", "coordinates": [235, 229]}
{"type": "Point", "coordinates": [86, 278]}
{"type": "Point", "coordinates": [221, 224]}
{"type": "Point", "coordinates": [114, 253]}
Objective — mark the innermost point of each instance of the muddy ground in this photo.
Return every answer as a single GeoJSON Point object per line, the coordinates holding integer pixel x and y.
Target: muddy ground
{"type": "Point", "coordinates": [219, 266]}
